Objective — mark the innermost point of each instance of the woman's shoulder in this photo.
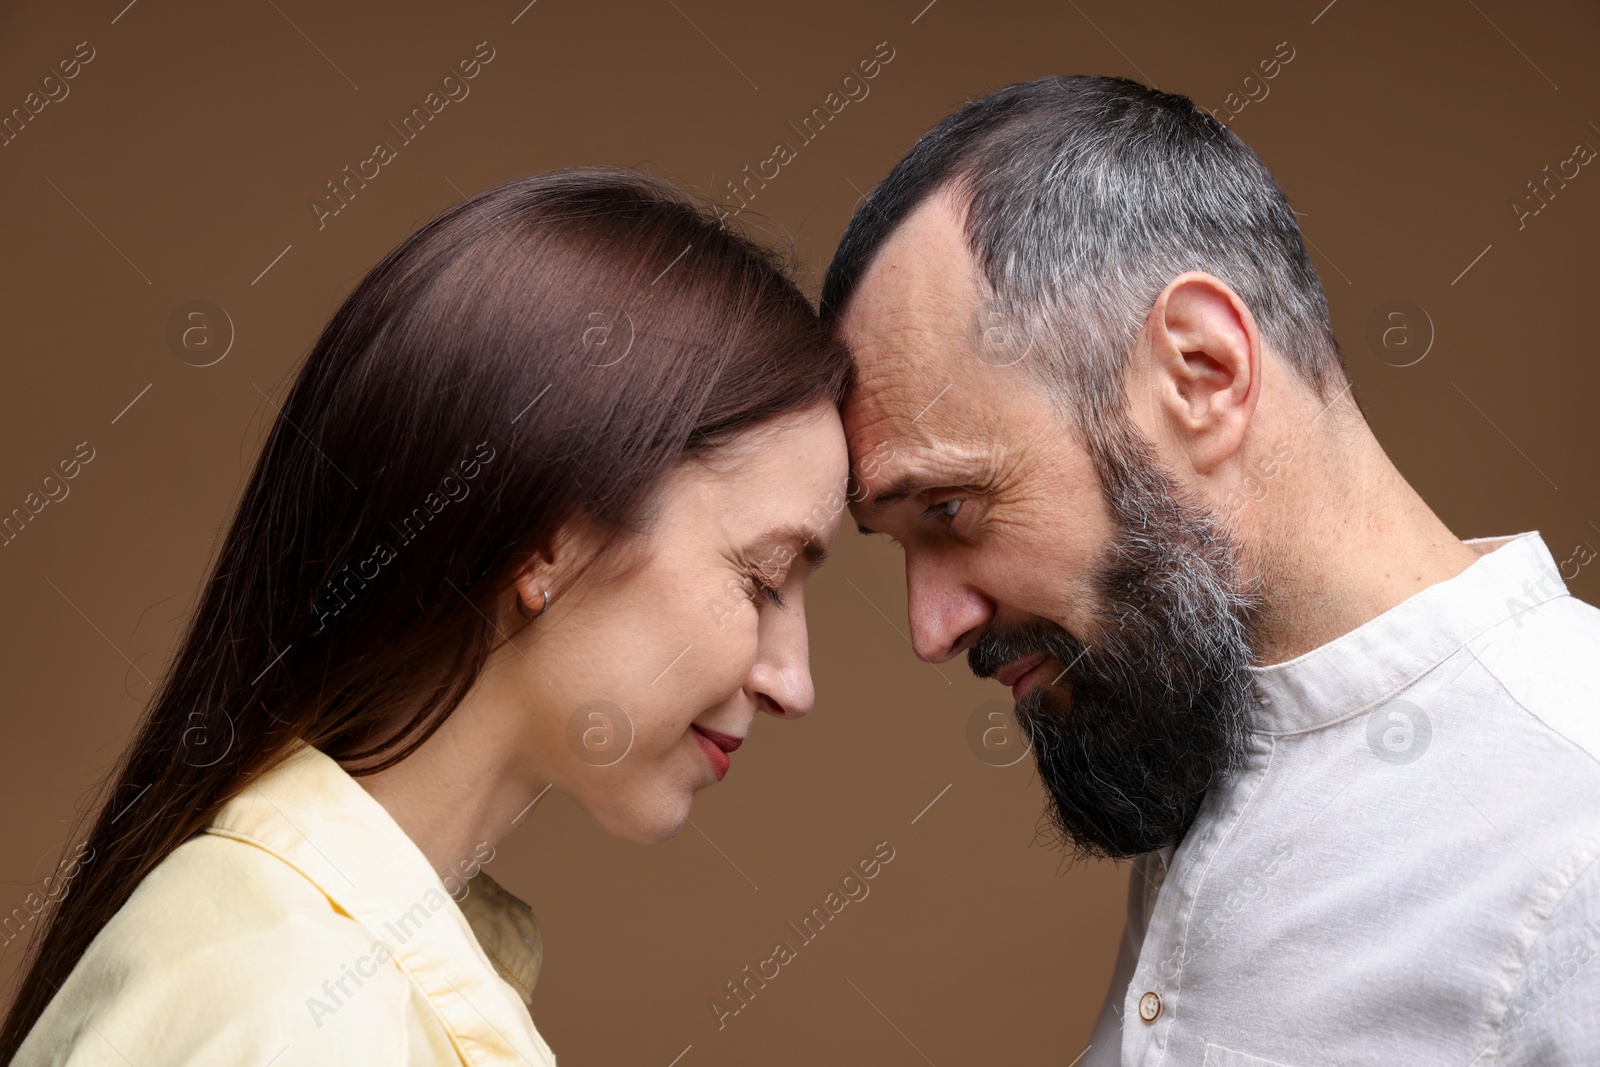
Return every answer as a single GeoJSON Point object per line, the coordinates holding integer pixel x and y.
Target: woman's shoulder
{"type": "Point", "coordinates": [229, 887]}
{"type": "Point", "coordinates": [226, 953]}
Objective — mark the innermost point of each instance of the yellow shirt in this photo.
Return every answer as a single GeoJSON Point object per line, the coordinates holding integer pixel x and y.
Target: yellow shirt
{"type": "Point", "coordinates": [303, 927]}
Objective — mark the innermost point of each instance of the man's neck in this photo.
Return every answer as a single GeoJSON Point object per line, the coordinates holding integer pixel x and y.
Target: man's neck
{"type": "Point", "coordinates": [1344, 539]}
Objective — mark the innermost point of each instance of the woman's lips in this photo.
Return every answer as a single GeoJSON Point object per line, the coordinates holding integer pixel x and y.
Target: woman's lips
{"type": "Point", "coordinates": [726, 742]}
{"type": "Point", "coordinates": [716, 746]}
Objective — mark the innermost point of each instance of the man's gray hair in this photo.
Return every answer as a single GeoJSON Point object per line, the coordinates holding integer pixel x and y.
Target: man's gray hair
{"type": "Point", "coordinates": [1084, 197]}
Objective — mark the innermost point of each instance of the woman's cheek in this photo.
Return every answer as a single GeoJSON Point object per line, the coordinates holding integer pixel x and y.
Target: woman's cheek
{"type": "Point", "coordinates": [738, 648]}
{"type": "Point", "coordinates": [710, 674]}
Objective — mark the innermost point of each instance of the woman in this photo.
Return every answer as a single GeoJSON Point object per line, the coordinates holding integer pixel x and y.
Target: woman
{"type": "Point", "coordinates": [537, 513]}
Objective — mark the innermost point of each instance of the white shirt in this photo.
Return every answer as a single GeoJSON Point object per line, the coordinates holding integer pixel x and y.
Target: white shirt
{"type": "Point", "coordinates": [1404, 872]}
{"type": "Point", "coordinates": [302, 928]}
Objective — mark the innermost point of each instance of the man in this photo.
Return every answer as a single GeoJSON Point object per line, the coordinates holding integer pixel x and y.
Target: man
{"type": "Point", "coordinates": [1354, 757]}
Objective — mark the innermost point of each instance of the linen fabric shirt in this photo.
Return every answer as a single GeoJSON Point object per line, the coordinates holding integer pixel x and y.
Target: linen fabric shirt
{"type": "Point", "coordinates": [302, 927]}
{"type": "Point", "coordinates": [1404, 871]}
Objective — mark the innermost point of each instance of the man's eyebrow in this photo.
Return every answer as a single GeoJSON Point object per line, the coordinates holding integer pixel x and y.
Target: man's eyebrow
{"type": "Point", "coordinates": [900, 489]}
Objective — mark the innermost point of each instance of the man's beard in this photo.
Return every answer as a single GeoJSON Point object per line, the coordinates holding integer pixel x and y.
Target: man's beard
{"type": "Point", "coordinates": [1155, 708]}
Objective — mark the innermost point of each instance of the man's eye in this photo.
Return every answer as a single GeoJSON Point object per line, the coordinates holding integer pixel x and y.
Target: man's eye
{"type": "Point", "coordinates": [944, 509]}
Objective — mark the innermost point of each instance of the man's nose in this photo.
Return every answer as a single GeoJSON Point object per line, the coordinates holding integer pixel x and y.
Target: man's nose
{"type": "Point", "coordinates": [947, 614]}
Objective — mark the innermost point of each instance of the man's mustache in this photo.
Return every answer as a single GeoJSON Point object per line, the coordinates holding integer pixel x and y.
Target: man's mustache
{"type": "Point", "coordinates": [1001, 645]}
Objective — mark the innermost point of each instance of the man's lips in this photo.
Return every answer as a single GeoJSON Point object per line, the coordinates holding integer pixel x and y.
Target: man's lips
{"type": "Point", "coordinates": [1012, 673]}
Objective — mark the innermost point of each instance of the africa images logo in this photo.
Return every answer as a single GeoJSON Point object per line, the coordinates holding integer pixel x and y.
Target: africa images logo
{"type": "Point", "coordinates": [1399, 732]}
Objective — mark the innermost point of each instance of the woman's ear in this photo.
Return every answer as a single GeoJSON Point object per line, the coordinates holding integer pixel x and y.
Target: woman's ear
{"type": "Point", "coordinates": [571, 554]}
{"type": "Point", "coordinates": [532, 585]}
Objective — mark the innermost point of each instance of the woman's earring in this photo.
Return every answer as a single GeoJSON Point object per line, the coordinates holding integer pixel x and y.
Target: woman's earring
{"type": "Point", "coordinates": [523, 611]}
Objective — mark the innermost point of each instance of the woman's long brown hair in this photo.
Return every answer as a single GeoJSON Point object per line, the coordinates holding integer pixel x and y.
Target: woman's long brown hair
{"type": "Point", "coordinates": [586, 331]}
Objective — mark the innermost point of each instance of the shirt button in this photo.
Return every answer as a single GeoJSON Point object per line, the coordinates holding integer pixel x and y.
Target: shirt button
{"type": "Point", "coordinates": [1149, 1007]}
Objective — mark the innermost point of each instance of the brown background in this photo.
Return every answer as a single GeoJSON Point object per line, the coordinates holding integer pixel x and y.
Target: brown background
{"type": "Point", "coordinates": [183, 162]}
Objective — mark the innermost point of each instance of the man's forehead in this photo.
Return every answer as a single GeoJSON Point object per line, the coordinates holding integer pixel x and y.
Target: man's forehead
{"type": "Point", "coordinates": [906, 328]}
{"type": "Point", "coordinates": [919, 287]}
{"type": "Point", "coordinates": [899, 404]}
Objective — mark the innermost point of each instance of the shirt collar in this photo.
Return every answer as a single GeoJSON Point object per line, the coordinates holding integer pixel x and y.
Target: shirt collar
{"type": "Point", "coordinates": [1371, 663]}
{"type": "Point", "coordinates": [309, 813]}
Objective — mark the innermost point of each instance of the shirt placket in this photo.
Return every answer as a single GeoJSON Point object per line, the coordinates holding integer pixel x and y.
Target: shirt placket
{"type": "Point", "coordinates": [1152, 997]}
{"type": "Point", "coordinates": [1150, 1007]}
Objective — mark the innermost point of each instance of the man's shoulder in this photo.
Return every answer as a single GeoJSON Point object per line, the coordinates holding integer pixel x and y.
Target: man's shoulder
{"type": "Point", "coordinates": [1547, 659]}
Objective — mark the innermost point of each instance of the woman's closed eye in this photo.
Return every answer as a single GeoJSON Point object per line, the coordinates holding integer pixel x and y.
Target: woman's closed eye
{"type": "Point", "coordinates": [763, 588]}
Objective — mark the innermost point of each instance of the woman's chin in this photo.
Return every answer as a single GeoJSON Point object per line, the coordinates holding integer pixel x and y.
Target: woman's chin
{"type": "Point", "coordinates": [650, 826]}
{"type": "Point", "coordinates": [652, 833]}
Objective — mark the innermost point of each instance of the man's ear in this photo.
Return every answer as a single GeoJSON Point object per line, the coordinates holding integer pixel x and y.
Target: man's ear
{"type": "Point", "coordinates": [1203, 367]}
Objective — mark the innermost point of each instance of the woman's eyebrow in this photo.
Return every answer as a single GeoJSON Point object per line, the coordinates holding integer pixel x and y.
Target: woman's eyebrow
{"type": "Point", "coordinates": [801, 540]}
